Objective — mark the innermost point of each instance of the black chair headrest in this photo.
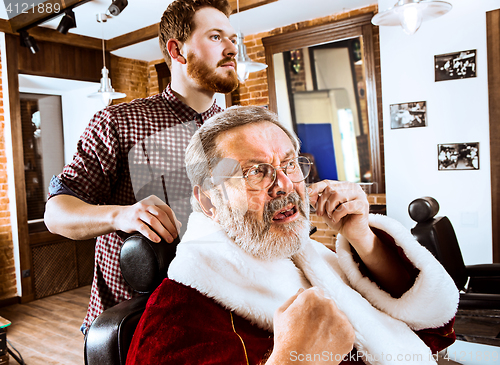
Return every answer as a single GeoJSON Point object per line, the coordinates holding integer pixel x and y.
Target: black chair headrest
{"type": "Point", "coordinates": [423, 209]}
{"type": "Point", "coordinates": [144, 264]}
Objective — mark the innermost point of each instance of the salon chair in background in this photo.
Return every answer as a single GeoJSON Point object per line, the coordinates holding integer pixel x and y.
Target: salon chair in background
{"type": "Point", "coordinates": [479, 285]}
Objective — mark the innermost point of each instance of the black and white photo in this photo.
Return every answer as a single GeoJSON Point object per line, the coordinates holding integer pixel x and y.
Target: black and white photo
{"type": "Point", "coordinates": [458, 156]}
{"type": "Point", "coordinates": [408, 115]}
{"type": "Point", "coordinates": [452, 66]}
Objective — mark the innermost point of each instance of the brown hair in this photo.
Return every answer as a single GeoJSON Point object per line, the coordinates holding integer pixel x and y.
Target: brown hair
{"type": "Point", "coordinates": [177, 21]}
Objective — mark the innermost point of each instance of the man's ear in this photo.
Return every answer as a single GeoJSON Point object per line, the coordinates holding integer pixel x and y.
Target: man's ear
{"type": "Point", "coordinates": [205, 202]}
{"type": "Point", "coordinates": [174, 49]}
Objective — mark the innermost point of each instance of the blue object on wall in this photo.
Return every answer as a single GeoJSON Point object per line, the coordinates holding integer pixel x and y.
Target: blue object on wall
{"type": "Point", "coordinates": [318, 141]}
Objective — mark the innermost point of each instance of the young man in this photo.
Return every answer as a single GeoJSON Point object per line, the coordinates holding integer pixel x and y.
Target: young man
{"type": "Point", "coordinates": [97, 194]}
{"type": "Point", "coordinates": [248, 285]}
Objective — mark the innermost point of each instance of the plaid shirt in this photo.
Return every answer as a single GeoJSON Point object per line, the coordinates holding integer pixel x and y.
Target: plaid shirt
{"type": "Point", "coordinates": [130, 151]}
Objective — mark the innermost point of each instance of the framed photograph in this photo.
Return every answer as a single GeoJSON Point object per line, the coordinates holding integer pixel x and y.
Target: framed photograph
{"type": "Point", "coordinates": [458, 156]}
{"type": "Point", "coordinates": [452, 66]}
{"type": "Point", "coordinates": [408, 115]}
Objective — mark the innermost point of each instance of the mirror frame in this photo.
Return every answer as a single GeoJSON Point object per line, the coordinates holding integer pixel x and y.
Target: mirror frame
{"type": "Point", "coordinates": [327, 33]}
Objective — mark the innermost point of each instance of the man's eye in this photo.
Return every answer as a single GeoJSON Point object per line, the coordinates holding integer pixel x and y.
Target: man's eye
{"type": "Point", "coordinates": [254, 172]}
{"type": "Point", "coordinates": [234, 41]}
{"type": "Point", "coordinates": [215, 37]}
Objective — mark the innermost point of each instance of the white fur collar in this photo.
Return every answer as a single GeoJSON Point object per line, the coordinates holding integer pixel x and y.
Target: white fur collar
{"type": "Point", "coordinates": [210, 262]}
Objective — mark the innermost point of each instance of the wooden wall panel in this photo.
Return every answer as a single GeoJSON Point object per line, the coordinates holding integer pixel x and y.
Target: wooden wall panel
{"type": "Point", "coordinates": [493, 43]}
{"type": "Point", "coordinates": [62, 61]}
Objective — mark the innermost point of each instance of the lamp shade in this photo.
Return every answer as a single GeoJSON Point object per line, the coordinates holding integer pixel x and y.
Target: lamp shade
{"type": "Point", "coordinates": [411, 13]}
{"type": "Point", "coordinates": [244, 65]}
{"type": "Point", "coordinates": [106, 91]}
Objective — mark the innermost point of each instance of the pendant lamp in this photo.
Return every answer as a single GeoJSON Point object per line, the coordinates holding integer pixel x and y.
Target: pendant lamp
{"type": "Point", "coordinates": [106, 91]}
{"type": "Point", "coordinates": [410, 14]}
{"type": "Point", "coordinates": [244, 65]}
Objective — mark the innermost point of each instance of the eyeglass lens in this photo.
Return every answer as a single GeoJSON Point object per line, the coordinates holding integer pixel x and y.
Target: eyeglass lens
{"type": "Point", "coordinates": [263, 175]}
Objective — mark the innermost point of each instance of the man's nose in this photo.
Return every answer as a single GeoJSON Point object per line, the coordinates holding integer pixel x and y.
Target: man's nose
{"type": "Point", "coordinates": [282, 185]}
{"type": "Point", "coordinates": [231, 49]}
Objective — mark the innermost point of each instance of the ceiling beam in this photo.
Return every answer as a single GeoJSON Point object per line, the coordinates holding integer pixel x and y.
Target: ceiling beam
{"type": "Point", "coordinates": [150, 32]}
{"type": "Point", "coordinates": [137, 36]}
{"type": "Point", "coordinates": [248, 4]}
{"type": "Point", "coordinates": [40, 13]}
{"type": "Point", "coordinates": [52, 35]}
{"type": "Point", "coordinates": [125, 40]}
{"type": "Point", "coordinates": [5, 26]}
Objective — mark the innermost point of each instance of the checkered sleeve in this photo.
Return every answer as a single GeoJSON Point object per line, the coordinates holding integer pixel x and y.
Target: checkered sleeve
{"type": "Point", "coordinates": [93, 171]}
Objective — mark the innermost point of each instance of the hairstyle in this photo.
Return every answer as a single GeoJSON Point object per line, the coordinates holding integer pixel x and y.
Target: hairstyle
{"type": "Point", "coordinates": [202, 153]}
{"type": "Point", "coordinates": [177, 21]}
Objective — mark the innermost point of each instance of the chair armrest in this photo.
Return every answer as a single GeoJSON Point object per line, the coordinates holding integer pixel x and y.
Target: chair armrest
{"type": "Point", "coordinates": [479, 301]}
{"type": "Point", "coordinates": [483, 270]}
{"type": "Point", "coordinates": [107, 330]}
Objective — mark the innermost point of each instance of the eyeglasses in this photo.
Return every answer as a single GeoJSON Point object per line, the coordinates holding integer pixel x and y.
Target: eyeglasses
{"type": "Point", "coordinates": [263, 175]}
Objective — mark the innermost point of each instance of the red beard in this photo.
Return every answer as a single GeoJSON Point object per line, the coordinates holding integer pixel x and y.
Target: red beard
{"type": "Point", "coordinates": [207, 78]}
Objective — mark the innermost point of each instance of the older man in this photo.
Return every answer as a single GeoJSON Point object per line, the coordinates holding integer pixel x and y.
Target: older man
{"type": "Point", "coordinates": [248, 285]}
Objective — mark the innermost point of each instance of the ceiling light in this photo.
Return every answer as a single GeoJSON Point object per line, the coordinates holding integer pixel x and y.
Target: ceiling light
{"type": "Point", "coordinates": [106, 91]}
{"type": "Point", "coordinates": [28, 41]}
{"type": "Point", "coordinates": [117, 7]}
{"type": "Point", "coordinates": [411, 13]}
{"type": "Point", "coordinates": [67, 22]}
{"type": "Point", "coordinates": [244, 65]}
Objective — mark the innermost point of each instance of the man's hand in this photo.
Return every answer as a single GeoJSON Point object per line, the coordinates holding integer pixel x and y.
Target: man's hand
{"type": "Point", "coordinates": [73, 218]}
{"type": "Point", "coordinates": [310, 323]}
{"type": "Point", "coordinates": [344, 207]}
{"type": "Point", "coordinates": [151, 217]}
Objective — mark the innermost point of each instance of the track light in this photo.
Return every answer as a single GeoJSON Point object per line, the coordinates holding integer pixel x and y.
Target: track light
{"type": "Point", "coordinates": [117, 7]}
{"type": "Point", "coordinates": [67, 22]}
{"type": "Point", "coordinates": [28, 41]}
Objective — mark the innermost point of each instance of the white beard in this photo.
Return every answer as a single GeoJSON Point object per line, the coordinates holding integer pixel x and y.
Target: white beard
{"type": "Point", "coordinates": [256, 237]}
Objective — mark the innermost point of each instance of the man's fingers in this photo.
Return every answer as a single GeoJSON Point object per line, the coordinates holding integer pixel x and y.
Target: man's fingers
{"type": "Point", "coordinates": [147, 232]}
{"type": "Point", "coordinates": [161, 223]}
{"type": "Point", "coordinates": [351, 207]}
{"type": "Point", "coordinates": [314, 191]}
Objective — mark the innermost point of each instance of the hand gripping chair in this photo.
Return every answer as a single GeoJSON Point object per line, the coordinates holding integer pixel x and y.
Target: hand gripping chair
{"type": "Point", "coordinates": [437, 234]}
{"type": "Point", "coordinates": [144, 265]}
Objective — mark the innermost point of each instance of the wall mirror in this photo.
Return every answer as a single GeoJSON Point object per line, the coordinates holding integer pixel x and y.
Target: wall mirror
{"type": "Point", "coordinates": [322, 85]}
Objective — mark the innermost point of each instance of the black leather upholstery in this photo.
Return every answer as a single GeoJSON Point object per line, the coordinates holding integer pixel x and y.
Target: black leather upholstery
{"type": "Point", "coordinates": [438, 236]}
{"type": "Point", "coordinates": [144, 264]}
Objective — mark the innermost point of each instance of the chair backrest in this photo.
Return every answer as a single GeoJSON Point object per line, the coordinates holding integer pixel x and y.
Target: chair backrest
{"type": "Point", "coordinates": [438, 236]}
{"type": "Point", "coordinates": [144, 265]}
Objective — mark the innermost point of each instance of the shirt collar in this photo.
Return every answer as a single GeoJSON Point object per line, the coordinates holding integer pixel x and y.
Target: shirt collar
{"type": "Point", "coordinates": [185, 112]}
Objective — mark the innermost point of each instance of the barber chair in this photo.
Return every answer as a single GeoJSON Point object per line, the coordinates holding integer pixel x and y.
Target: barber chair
{"type": "Point", "coordinates": [479, 285]}
{"type": "Point", "coordinates": [144, 265]}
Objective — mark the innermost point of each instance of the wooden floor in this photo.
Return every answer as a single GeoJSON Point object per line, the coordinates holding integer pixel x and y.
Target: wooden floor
{"type": "Point", "coordinates": [47, 331]}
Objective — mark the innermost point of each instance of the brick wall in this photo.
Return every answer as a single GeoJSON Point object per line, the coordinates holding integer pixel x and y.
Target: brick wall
{"type": "Point", "coordinates": [8, 287]}
{"type": "Point", "coordinates": [130, 77]}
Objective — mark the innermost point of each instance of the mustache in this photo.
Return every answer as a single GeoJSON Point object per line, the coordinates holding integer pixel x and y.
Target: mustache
{"type": "Point", "coordinates": [226, 60]}
{"type": "Point", "coordinates": [279, 203]}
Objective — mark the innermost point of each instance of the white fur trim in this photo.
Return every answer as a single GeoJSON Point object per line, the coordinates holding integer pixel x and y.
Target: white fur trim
{"type": "Point", "coordinates": [210, 262]}
{"type": "Point", "coordinates": [433, 299]}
